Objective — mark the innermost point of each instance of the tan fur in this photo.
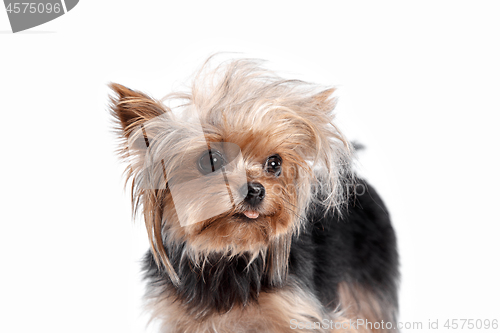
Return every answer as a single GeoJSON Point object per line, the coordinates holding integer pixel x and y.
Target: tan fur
{"type": "Point", "coordinates": [242, 103]}
{"type": "Point", "coordinates": [357, 302]}
{"type": "Point", "coordinates": [272, 314]}
{"type": "Point", "coordinates": [276, 310]}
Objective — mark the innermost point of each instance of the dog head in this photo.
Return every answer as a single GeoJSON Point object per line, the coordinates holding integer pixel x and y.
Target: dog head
{"type": "Point", "coordinates": [231, 165]}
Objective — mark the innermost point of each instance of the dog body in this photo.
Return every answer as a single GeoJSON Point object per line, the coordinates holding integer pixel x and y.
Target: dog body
{"type": "Point", "coordinates": [255, 218]}
{"type": "Point", "coordinates": [341, 269]}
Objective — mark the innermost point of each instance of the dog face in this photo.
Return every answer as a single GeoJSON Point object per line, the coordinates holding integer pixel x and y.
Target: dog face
{"type": "Point", "coordinates": [236, 169]}
{"type": "Point", "coordinates": [237, 191]}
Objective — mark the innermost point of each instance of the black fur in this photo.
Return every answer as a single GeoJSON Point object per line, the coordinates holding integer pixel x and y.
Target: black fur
{"type": "Point", "coordinates": [356, 246]}
{"type": "Point", "coordinates": [216, 287]}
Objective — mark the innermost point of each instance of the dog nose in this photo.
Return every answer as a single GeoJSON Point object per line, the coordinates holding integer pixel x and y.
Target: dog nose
{"type": "Point", "coordinates": [256, 193]}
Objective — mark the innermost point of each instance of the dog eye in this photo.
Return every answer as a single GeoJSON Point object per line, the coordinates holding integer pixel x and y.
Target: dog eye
{"type": "Point", "coordinates": [273, 165]}
{"type": "Point", "coordinates": [210, 161]}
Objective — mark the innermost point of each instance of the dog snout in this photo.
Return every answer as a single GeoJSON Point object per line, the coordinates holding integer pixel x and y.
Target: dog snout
{"type": "Point", "coordinates": [256, 193]}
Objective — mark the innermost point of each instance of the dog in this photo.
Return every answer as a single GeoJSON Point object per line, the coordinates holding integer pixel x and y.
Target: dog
{"type": "Point", "coordinates": [256, 220]}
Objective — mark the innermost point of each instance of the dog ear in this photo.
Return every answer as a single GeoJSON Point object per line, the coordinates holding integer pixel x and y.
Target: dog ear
{"type": "Point", "coordinates": [132, 108]}
{"type": "Point", "coordinates": [327, 148]}
{"type": "Point", "coordinates": [324, 101]}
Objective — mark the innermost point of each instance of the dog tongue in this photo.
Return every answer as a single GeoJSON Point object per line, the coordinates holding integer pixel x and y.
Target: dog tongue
{"type": "Point", "coordinates": [251, 214]}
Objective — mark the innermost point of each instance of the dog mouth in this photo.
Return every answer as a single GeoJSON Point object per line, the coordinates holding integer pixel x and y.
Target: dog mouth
{"type": "Point", "coordinates": [248, 216]}
{"type": "Point", "coordinates": [251, 214]}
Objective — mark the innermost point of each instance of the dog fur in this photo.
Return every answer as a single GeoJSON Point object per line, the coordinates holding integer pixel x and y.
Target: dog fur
{"type": "Point", "coordinates": [313, 248]}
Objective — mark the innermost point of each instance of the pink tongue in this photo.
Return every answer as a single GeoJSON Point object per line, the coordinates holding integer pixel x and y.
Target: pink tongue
{"type": "Point", "coordinates": [251, 215]}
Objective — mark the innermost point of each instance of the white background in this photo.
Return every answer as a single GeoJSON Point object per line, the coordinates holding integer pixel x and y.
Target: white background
{"type": "Point", "coordinates": [418, 84]}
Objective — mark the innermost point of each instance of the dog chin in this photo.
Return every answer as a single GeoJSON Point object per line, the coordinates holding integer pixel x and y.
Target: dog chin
{"type": "Point", "coordinates": [236, 232]}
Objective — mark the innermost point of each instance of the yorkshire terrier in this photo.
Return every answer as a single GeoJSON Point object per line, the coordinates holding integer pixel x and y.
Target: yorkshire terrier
{"type": "Point", "coordinates": [256, 219]}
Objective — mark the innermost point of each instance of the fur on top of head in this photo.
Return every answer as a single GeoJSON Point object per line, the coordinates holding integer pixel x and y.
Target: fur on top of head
{"type": "Point", "coordinates": [241, 103]}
